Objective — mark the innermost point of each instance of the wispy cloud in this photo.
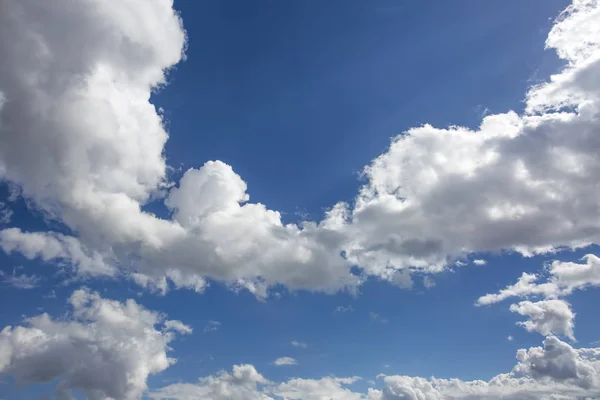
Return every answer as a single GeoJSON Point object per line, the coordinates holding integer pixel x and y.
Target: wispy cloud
{"type": "Point", "coordinates": [5, 214]}
{"type": "Point", "coordinates": [299, 344]}
{"type": "Point", "coordinates": [21, 281]}
{"type": "Point", "coordinates": [344, 309]}
{"type": "Point", "coordinates": [285, 361]}
{"type": "Point", "coordinates": [212, 326]}
{"type": "Point", "coordinates": [378, 318]}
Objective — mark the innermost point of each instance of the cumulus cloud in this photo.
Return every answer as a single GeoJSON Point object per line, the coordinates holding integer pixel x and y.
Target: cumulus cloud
{"type": "Point", "coordinates": [56, 247]}
{"type": "Point", "coordinates": [479, 262]}
{"type": "Point", "coordinates": [285, 361]}
{"type": "Point", "coordinates": [548, 317]}
{"type": "Point", "coordinates": [554, 371]}
{"type": "Point", "coordinates": [105, 348]}
{"type": "Point", "coordinates": [562, 279]}
{"type": "Point", "coordinates": [344, 309]}
{"type": "Point", "coordinates": [525, 183]}
{"type": "Point", "coordinates": [317, 389]}
{"type": "Point", "coordinates": [245, 383]}
{"type": "Point", "coordinates": [82, 120]}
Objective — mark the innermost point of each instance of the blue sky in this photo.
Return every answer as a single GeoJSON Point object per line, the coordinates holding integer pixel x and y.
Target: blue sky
{"type": "Point", "coordinates": [295, 99]}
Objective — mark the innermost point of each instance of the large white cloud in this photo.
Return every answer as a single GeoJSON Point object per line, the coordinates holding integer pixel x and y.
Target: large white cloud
{"type": "Point", "coordinates": [80, 137]}
{"type": "Point", "coordinates": [105, 348]}
{"type": "Point", "coordinates": [526, 183]}
{"type": "Point", "coordinates": [554, 371]}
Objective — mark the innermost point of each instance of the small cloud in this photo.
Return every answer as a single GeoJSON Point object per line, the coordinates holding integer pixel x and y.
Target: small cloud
{"type": "Point", "coordinates": [178, 326]}
{"type": "Point", "coordinates": [428, 282]}
{"type": "Point", "coordinates": [378, 318]}
{"type": "Point", "coordinates": [479, 262]}
{"type": "Point", "coordinates": [510, 338]}
{"type": "Point", "coordinates": [285, 361]}
{"type": "Point", "coordinates": [344, 309]}
{"type": "Point", "coordinates": [5, 214]}
{"type": "Point", "coordinates": [402, 279]}
{"type": "Point", "coordinates": [386, 365]}
{"type": "Point", "coordinates": [459, 263]}
{"type": "Point", "coordinates": [51, 295]}
{"type": "Point", "coordinates": [299, 344]}
{"type": "Point", "coordinates": [22, 281]}
{"type": "Point", "coordinates": [212, 326]}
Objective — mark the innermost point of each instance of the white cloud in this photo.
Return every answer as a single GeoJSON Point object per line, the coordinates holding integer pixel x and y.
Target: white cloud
{"type": "Point", "coordinates": [525, 183]}
{"type": "Point", "coordinates": [106, 349]}
{"type": "Point", "coordinates": [563, 278]}
{"type": "Point", "coordinates": [5, 212]}
{"type": "Point", "coordinates": [295, 343]}
{"type": "Point", "coordinates": [178, 327]}
{"type": "Point", "coordinates": [479, 262]}
{"type": "Point", "coordinates": [316, 389]}
{"type": "Point", "coordinates": [19, 281]}
{"type": "Point", "coordinates": [285, 361]}
{"type": "Point", "coordinates": [83, 121]}
{"type": "Point", "coordinates": [344, 309]}
{"type": "Point", "coordinates": [510, 338]}
{"type": "Point", "coordinates": [243, 383]}
{"type": "Point", "coordinates": [548, 317]}
{"type": "Point", "coordinates": [56, 247]}
{"type": "Point", "coordinates": [554, 371]}
{"type": "Point", "coordinates": [212, 326]}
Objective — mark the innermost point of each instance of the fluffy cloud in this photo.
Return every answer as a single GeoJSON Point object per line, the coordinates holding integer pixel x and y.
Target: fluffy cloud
{"type": "Point", "coordinates": [526, 183]}
{"type": "Point", "coordinates": [554, 371]}
{"type": "Point", "coordinates": [106, 348]}
{"type": "Point", "coordinates": [243, 383]}
{"type": "Point", "coordinates": [82, 120]}
{"type": "Point", "coordinates": [317, 389]}
{"type": "Point", "coordinates": [61, 249]}
{"type": "Point", "coordinates": [547, 317]}
{"type": "Point", "coordinates": [563, 278]}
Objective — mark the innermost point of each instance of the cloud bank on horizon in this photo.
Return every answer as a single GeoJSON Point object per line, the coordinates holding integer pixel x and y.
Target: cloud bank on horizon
{"type": "Point", "coordinates": [82, 143]}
